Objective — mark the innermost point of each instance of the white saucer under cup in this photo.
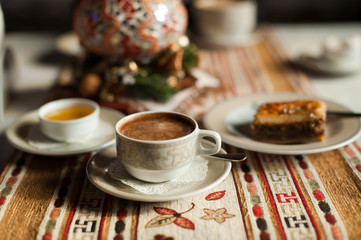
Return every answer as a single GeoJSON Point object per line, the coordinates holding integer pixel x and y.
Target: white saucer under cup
{"type": "Point", "coordinates": [98, 174]}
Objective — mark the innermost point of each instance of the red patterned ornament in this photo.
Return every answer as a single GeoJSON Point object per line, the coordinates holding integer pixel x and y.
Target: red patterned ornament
{"type": "Point", "coordinates": [129, 29]}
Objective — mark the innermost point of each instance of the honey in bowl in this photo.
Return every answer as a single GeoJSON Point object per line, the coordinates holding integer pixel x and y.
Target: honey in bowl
{"type": "Point", "coordinates": [69, 113]}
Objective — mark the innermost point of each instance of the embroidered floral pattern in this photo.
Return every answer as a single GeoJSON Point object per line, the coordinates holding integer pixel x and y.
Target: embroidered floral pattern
{"type": "Point", "coordinates": [121, 214]}
{"type": "Point", "coordinates": [319, 197]}
{"type": "Point", "coordinates": [169, 216]}
{"type": "Point", "coordinates": [292, 211]}
{"type": "Point", "coordinates": [219, 215]}
{"type": "Point", "coordinates": [353, 157]}
{"type": "Point", "coordinates": [255, 201]}
{"type": "Point", "coordinates": [11, 182]}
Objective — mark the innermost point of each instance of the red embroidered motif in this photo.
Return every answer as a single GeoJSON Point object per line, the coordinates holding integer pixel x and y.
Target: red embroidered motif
{"type": "Point", "coordinates": [284, 197]}
{"type": "Point", "coordinates": [169, 216]}
{"type": "Point", "coordinates": [330, 218]}
{"type": "Point", "coordinates": [215, 195]}
{"type": "Point", "coordinates": [358, 167]}
{"type": "Point", "coordinates": [164, 211]}
{"type": "Point", "coordinates": [336, 232]}
{"type": "Point", "coordinates": [318, 195]}
{"type": "Point", "coordinates": [121, 213]}
{"type": "Point", "coordinates": [16, 171]}
{"type": "Point", "coordinates": [308, 174]}
{"type": "Point", "coordinates": [162, 237]}
{"type": "Point", "coordinates": [118, 237]}
{"type": "Point", "coordinates": [59, 202]}
{"type": "Point", "coordinates": [257, 211]}
{"type": "Point", "coordinates": [251, 188]}
{"type": "Point", "coordinates": [264, 236]}
{"type": "Point", "coordinates": [11, 181]}
{"type": "Point", "coordinates": [184, 223]}
{"type": "Point", "coordinates": [303, 165]}
{"type": "Point", "coordinates": [47, 236]}
{"type": "Point", "coordinates": [349, 151]}
{"type": "Point", "coordinates": [248, 178]}
{"type": "Point", "coordinates": [2, 200]}
{"type": "Point", "coordinates": [54, 213]}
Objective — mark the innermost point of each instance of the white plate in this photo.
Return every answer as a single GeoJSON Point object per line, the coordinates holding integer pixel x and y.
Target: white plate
{"type": "Point", "coordinates": [97, 172]}
{"type": "Point", "coordinates": [18, 135]}
{"type": "Point", "coordinates": [239, 112]}
{"type": "Point", "coordinates": [320, 65]}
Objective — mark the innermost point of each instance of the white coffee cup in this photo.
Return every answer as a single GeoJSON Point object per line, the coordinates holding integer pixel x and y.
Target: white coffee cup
{"type": "Point", "coordinates": [156, 158]}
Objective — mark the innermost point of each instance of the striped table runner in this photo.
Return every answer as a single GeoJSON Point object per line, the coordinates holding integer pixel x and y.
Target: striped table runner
{"type": "Point", "coordinates": [314, 196]}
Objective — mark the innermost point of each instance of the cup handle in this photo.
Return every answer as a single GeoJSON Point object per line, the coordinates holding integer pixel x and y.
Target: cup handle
{"type": "Point", "coordinates": [212, 134]}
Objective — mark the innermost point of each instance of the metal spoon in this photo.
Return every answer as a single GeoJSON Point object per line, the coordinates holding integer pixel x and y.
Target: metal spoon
{"type": "Point", "coordinates": [343, 114]}
{"type": "Point", "coordinates": [233, 157]}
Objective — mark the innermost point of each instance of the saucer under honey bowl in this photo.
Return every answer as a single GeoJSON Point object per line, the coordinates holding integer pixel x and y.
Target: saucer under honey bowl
{"type": "Point", "coordinates": [28, 134]}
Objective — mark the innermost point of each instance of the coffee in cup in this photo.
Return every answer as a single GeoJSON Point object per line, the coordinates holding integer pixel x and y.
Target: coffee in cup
{"type": "Point", "coordinates": [159, 146]}
{"type": "Point", "coordinates": [157, 127]}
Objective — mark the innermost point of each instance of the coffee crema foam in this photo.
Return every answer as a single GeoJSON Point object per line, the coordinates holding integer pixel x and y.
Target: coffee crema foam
{"type": "Point", "coordinates": [157, 127]}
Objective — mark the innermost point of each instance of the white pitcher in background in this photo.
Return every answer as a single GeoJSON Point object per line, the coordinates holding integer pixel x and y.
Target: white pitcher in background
{"type": "Point", "coordinates": [3, 87]}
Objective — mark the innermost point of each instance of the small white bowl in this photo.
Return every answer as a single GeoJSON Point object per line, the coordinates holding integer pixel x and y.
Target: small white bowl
{"type": "Point", "coordinates": [68, 130]}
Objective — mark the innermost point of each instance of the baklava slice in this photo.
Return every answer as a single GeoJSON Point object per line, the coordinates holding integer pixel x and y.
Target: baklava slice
{"type": "Point", "coordinates": [290, 122]}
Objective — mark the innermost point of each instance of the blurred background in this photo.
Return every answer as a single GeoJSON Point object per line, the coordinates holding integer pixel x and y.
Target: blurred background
{"type": "Point", "coordinates": [32, 62]}
{"type": "Point", "coordinates": [56, 15]}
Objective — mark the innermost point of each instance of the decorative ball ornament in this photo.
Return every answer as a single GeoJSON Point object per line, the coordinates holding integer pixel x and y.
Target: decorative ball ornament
{"type": "Point", "coordinates": [129, 29]}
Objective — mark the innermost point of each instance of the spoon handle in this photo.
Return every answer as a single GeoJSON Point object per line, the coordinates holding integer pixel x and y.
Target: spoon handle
{"type": "Point", "coordinates": [344, 114]}
{"type": "Point", "coordinates": [234, 157]}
